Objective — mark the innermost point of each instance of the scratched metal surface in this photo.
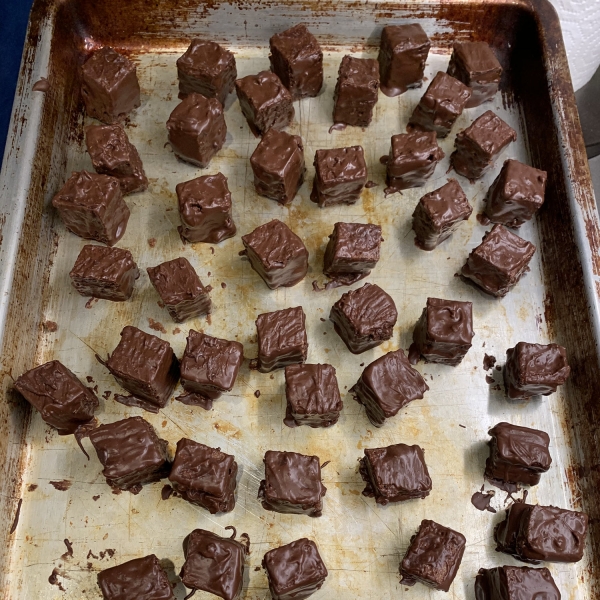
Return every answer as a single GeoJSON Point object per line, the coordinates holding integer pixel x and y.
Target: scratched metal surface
{"type": "Point", "coordinates": [361, 543]}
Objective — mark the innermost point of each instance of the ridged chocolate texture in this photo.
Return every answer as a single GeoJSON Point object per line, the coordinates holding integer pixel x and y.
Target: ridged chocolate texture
{"type": "Point", "coordinates": [206, 68]}
{"type": "Point", "coordinates": [278, 166]}
{"type": "Point", "coordinates": [282, 339]}
{"type": "Point", "coordinates": [180, 289]}
{"type": "Point", "coordinates": [205, 209]}
{"type": "Point", "coordinates": [295, 571]}
{"type": "Point", "coordinates": [292, 484]}
{"type": "Point", "coordinates": [265, 102]}
{"type": "Point", "coordinates": [402, 56]}
{"type": "Point", "coordinates": [395, 473]}
{"type": "Point", "coordinates": [340, 175]}
{"type": "Point", "coordinates": [364, 318]}
{"type": "Point", "coordinates": [516, 194]}
{"type": "Point", "coordinates": [476, 65]}
{"type": "Point", "coordinates": [478, 146]}
{"type": "Point", "coordinates": [535, 370]}
{"type": "Point", "coordinates": [107, 273]}
{"type": "Point", "coordinates": [313, 396]}
{"type": "Point", "coordinates": [296, 58]}
{"type": "Point", "coordinates": [131, 453]}
{"type": "Point", "coordinates": [387, 385]}
{"type": "Point", "coordinates": [204, 476]}
{"type": "Point", "coordinates": [56, 392]}
{"type": "Point", "coordinates": [439, 213]}
{"type": "Point", "coordinates": [110, 87]}
{"type": "Point", "coordinates": [277, 254]}
{"type": "Point", "coordinates": [141, 578]}
{"type": "Point", "coordinates": [499, 262]}
{"type": "Point", "coordinates": [92, 207]}
{"type": "Point", "coordinates": [433, 557]}
{"type": "Point", "coordinates": [515, 583]}
{"type": "Point", "coordinates": [197, 129]}
{"type": "Point", "coordinates": [532, 533]}
{"type": "Point", "coordinates": [356, 90]}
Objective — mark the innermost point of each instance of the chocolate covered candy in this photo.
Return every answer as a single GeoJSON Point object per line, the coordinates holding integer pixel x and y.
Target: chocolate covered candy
{"type": "Point", "coordinates": [515, 583]}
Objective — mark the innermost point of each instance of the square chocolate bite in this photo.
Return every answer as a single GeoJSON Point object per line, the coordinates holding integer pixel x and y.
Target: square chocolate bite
{"type": "Point", "coordinates": [295, 571]}
{"type": "Point", "coordinates": [205, 209]}
{"type": "Point", "coordinates": [113, 154]}
{"type": "Point", "coordinates": [277, 254]}
{"type": "Point", "coordinates": [499, 262]}
{"type": "Point", "coordinates": [278, 166]}
{"type": "Point", "coordinates": [292, 484]}
{"type": "Point", "coordinates": [433, 557]}
{"type": "Point", "coordinates": [364, 318]}
{"type": "Point", "coordinates": [356, 90]}
{"type": "Point", "coordinates": [282, 339]}
{"type": "Point", "coordinates": [109, 87]}
{"type": "Point", "coordinates": [402, 55]}
{"type": "Point", "coordinates": [395, 473]}
{"type": "Point", "coordinates": [444, 332]}
{"type": "Point", "coordinates": [516, 194]}
{"type": "Point", "coordinates": [296, 58]}
{"type": "Point", "coordinates": [476, 65]}
{"type": "Point", "coordinates": [137, 578]}
{"type": "Point", "coordinates": [204, 476]}
{"type": "Point", "coordinates": [180, 289]}
{"type": "Point", "coordinates": [480, 144]}
{"type": "Point", "coordinates": [439, 213]}
{"type": "Point", "coordinates": [206, 68]}
{"type": "Point", "coordinates": [56, 392]}
{"type": "Point", "coordinates": [340, 175]}
{"type": "Point", "coordinates": [313, 396]}
{"type": "Point", "coordinates": [265, 102]}
{"type": "Point", "coordinates": [535, 370]}
{"type": "Point", "coordinates": [92, 207]}
{"type": "Point", "coordinates": [197, 129]}
{"type": "Point", "coordinates": [107, 273]}
{"type": "Point", "coordinates": [515, 583]}
{"type": "Point", "coordinates": [131, 453]}
{"type": "Point", "coordinates": [387, 385]}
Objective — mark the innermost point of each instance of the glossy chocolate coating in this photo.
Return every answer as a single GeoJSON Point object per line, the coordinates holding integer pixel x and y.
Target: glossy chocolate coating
{"type": "Point", "coordinates": [56, 392]}
{"type": "Point", "coordinates": [282, 339]}
{"type": "Point", "coordinates": [278, 166]}
{"type": "Point", "coordinates": [534, 370]}
{"type": "Point", "coordinates": [476, 65]}
{"type": "Point", "coordinates": [206, 68]}
{"type": "Point", "coordinates": [395, 473]}
{"type": "Point", "coordinates": [277, 254]}
{"type": "Point", "coordinates": [204, 476]}
{"type": "Point", "coordinates": [387, 385]}
{"type": "Point", "coordinates": [478, 146]}
{"type": "Point", "coordinates": [356, 90]}
{"type": "Point", "coordinates": [180, 288]}
{"type": "Point", "coordinates": [296, 58]}
{"type": "Point", "coordinates": [292, 484]}
{"type": "Point", "coordinates": [205, 209]}
{"type": "Point", "coordinates": [439, 213]}
{"type": "Point", "coordinates": [313, 396]}
{"type": "Point", "coordinates": [197, 129]}
{"type": "Point", "coordinates": [140, 578]}
{"type": "Point", "coordinates": [110, 87]}
{"type": "Point", "coordinates": [340, 175]}
{"type": "Point", "coordinates": [92, 207]}
{"type": "Point", "coordinates": [364, 318]}
{"type": "Point", "coordinates": [131, 453]}
{"type": "Point", "coordinates": [433, 557]}
{"type": "Point", "coordinates": [515, 583]}
{"type": "Point", "coordinates": [516, 194]}
{"type": "Point", "coordinates": [295, 571]}
{"type": "Point", "coordinates": [113, 154]}
{"type": "Point", "coordinates": [108, 273]}
{"type": "Point", "coordinates": [499, 262]}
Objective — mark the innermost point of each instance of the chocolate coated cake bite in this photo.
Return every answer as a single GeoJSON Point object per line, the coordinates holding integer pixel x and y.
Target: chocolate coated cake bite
{"type": "Point", "coordinates": [515, 583]}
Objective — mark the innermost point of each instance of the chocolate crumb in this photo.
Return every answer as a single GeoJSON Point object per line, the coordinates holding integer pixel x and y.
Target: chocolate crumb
{"type": "Point", "coordinates": [212, 250]}
{"type": "Point", "coordinates": [69, 552]}
{"type": "Point", "coordinates": [41, 85]}
{"type": "Point", "coordinates": [92, 555]}
{"type": "Point", "coordinates": [17, 515]}
{"type": "Point", "coordinates": [257, 393]}
{"type": "Point", "coordinates": [91, 302]}
{"type": "Point", "coordinates": [106, 394]}
{"type": "Point", "coordinates": [176, 331]}
{"type": "Point", "coordinates": [152, 242]}
{"type": "Point", "coordinates": [95, 498]}
{"type": "Point", "coordinates": [463, 426]}
{"type": "Point", "coordinates": [489, 380]}
{"type": "Point", "coordinates": [62, 486]}
{"type": "Point", "coordinates": [166, 492]}
{"type": "Point", "coordinates": [498, 368]}
{"type": "Point", "coordinates": [371, 184]}
{"type": "Point", "coordinates": [223, 285]}
{"type": "Point", "coordinates": [322, 319]}
{"type": "Point", "coordinates": [32, 487]}
{"type": "Point", "coordinates": [488, 362]}
{"type": "Point", "coordinates": [89, 378]}
{"type": "Point", "coordinates": [53, 579]}
{"type": "Point", "coordinates": [156, 325]}
{"type": "Point", "coordinates": [50, 326]}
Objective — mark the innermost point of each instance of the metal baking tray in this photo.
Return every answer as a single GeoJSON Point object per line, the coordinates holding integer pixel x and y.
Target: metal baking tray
{"type": "Point", "coordinates": [361, 543]}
